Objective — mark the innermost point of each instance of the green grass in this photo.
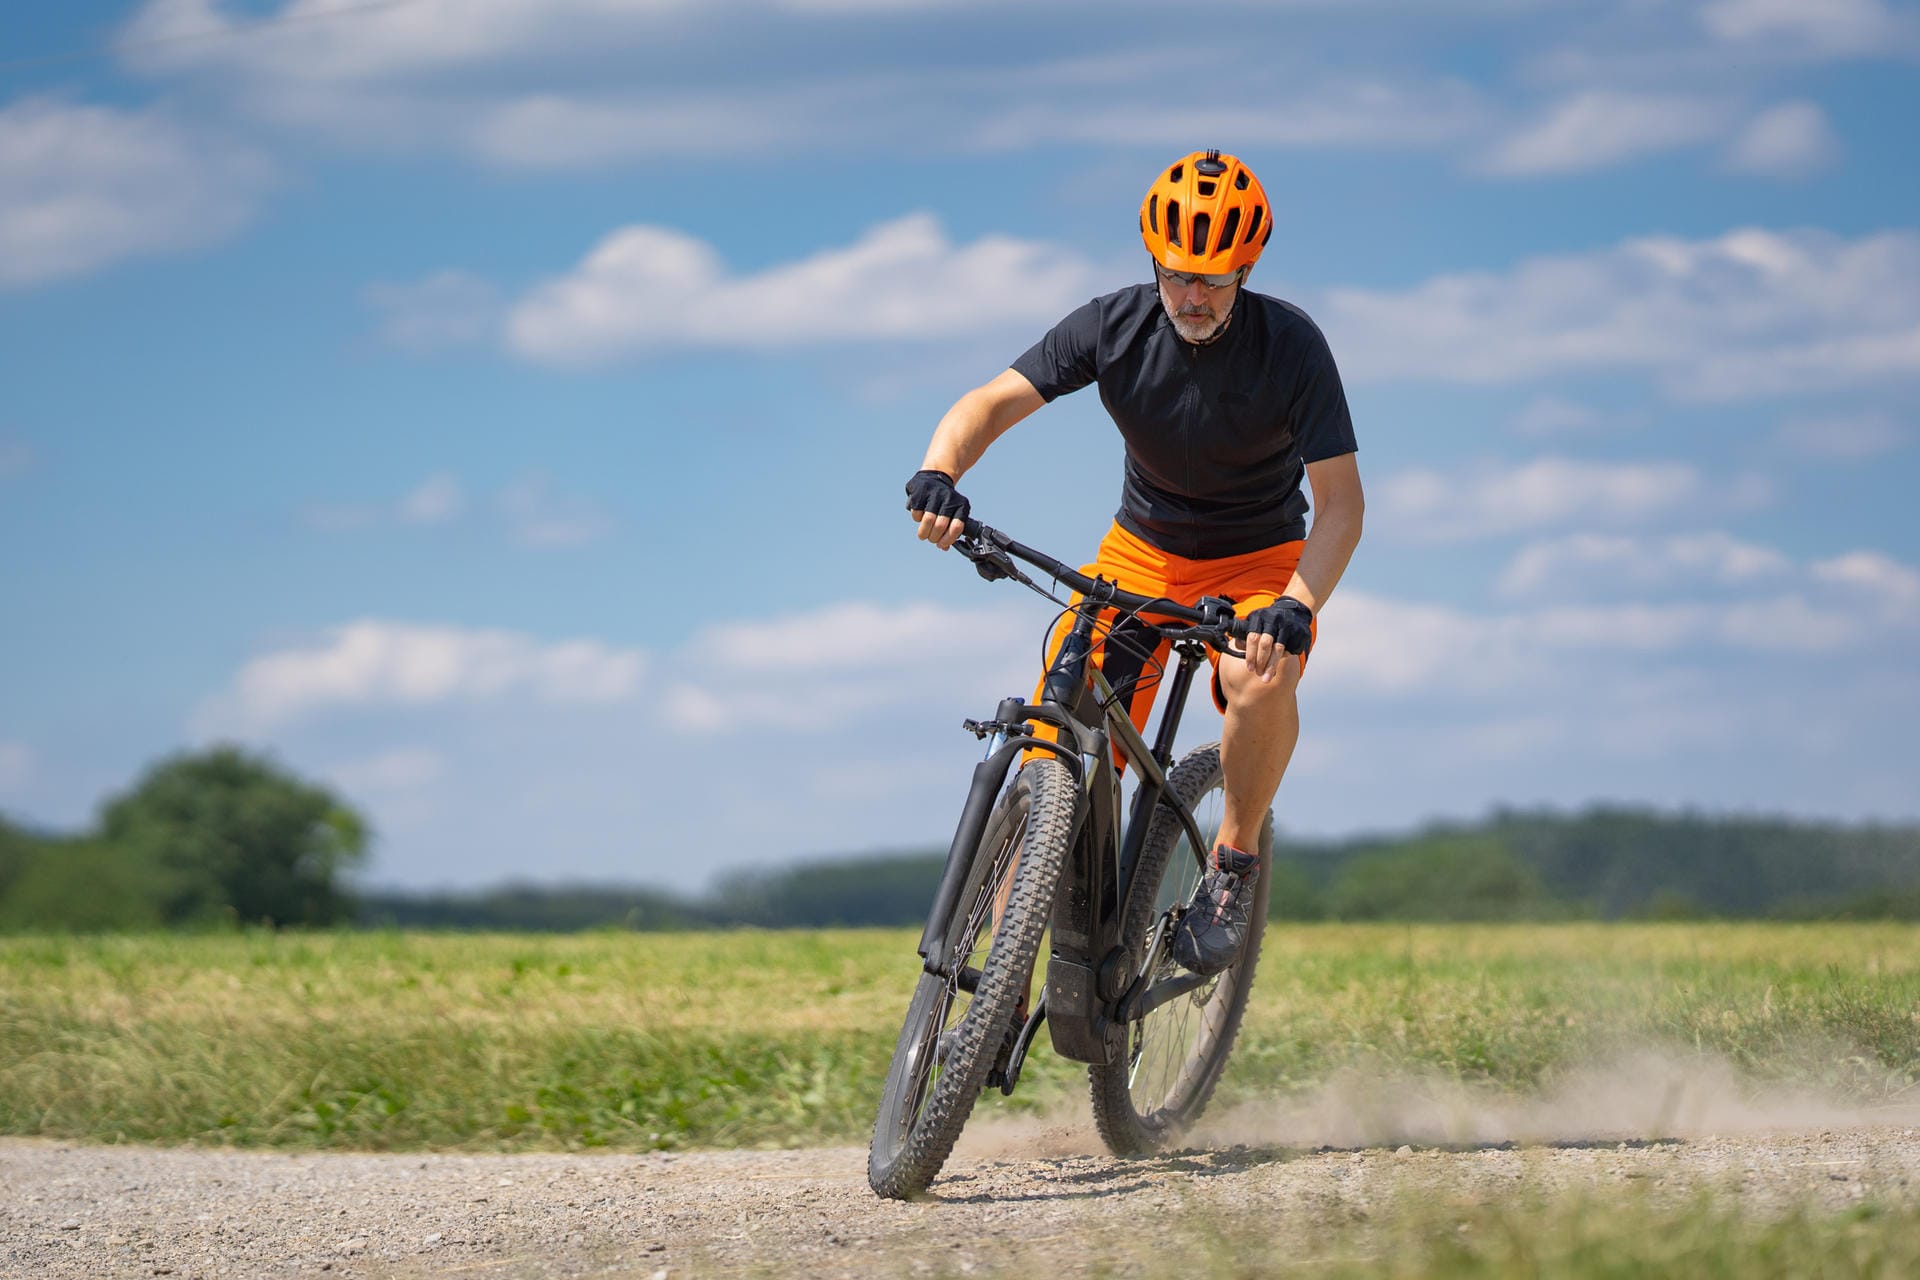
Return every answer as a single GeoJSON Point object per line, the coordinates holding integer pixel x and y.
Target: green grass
{"type": "Point", "coordinates": [635, 1041]}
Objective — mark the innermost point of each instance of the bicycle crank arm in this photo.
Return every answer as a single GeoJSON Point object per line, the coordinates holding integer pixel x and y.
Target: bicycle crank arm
{"type": "Point", "coordinates": [1164, 992]}
{"type": "Point", "coordinates": [1024, 1042]}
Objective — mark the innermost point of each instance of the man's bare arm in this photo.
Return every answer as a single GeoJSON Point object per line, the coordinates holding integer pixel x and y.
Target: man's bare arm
{"type": "Point", "coordinates": [1339, 507]}
{"type": "Point", "coordinates": [976, 420]}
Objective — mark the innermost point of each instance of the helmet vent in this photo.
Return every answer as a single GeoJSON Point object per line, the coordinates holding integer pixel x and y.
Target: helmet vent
{"type": "Point", "coordinates": [1253, 225]}
{"type": "Point", "coordinates": [1202, 225]}
{"type": "Point", "coordinates": [1173, 174]}
{"type": "Point", "coordinates": [1207, 188]}
{"type": "Point", "coordinates": [1240, 180]}
{"type": "Point", "coordinates": [1173, 223]}
{"type": "Point", "coordinates": [1232, 225]}
{"type": "Point", "coordinates": [1153, 212]}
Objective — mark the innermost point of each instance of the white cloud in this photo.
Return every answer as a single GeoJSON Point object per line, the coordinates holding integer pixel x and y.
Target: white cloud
{"type": "Point", "coordinates": [1787, 141]}
{"type": "Point", "coordinates": [1845, 438]}
{"type": "Point", "coordinates": [85, 186]}
{"type": "Point", "coordinates": [835, 664]}
{"type": "Point", "coordinates": [557, 84]}
{"type": "Point", "coordinates": [1590, 563]}
{"type": "Point", "coordinates": [1494, 499]}
{"type": "Point", "coordinates": [987, 109]}
{"type": "Point", "coordinates": [319, 41]}
{"type": "Point", "coordinates": [538, 517]}
{"type": "Point", "coordinates": [1829, 26]}
{"type": "Point", "coordinates": [854, 636]}
{"type": "Point", "coordinates": [299, 41]}
{"type": "Point", "coordinates": [375, 663]}
{"type": "Point", "coordinates": [1377, 646]}
{"type": "Point", "coordinates": [447, 309]}
{"type": "Point", "coordinates": [1337, 111]}
{"type": "Point", "coordinates": [1750, 313]}
{"type": "Point", "coordinates": [437, 500]}
{"type": "Point", "coordinates": [402, 769]}
{"type": "Point", "coordinates": [529, 511]}
{"type": "Point", "coordinates": [1875, 574]}
{"type": "Point", "coordinates": [16, 766]}
{"type": "Point", "coordinates": [1741, 47]}
{"type": "Point", "coordinates": [572, 131]}
{"type": "Point", "coordinates": [1419, 696]}
{"type": "Point", "coordinates": [1374, 644]}
{"type": "Point", "coordinates": [645, 289]}
{"type": "Point", "coordinates": [1597, 128]}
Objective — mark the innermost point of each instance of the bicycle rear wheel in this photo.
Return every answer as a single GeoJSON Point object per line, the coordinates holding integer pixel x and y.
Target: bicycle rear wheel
{"type": "Point", "coordinates": [956, 1026]}
{"type": "Point", "coordinates": [1176, 1053]}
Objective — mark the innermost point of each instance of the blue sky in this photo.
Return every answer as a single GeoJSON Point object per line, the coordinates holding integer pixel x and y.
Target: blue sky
{"type": "Point", "coordinates": [499, 408]}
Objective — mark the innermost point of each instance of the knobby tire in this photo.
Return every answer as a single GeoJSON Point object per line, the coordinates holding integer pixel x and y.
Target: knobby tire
{"type": "Point", "coordinates": [929, 1093]}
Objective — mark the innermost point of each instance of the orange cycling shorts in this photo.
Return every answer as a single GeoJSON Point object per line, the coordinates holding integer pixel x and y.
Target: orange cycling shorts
{"type": "Point", "coordinates": [1131, 657]}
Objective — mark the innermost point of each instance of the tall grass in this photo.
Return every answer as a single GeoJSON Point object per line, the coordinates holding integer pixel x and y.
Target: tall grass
{"type": "Point", "coordinates": [639, 1041]}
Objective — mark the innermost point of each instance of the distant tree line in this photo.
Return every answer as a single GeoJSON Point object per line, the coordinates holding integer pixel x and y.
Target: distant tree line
{"type": "Point", "coordinates": [220, 837]}
{"type": "Point", "coordinates": [1603, 863]}
{"type": "Point", "coordinates": [1607, 863]}
{"type": "Point", "coordinates": [225, 837]}
{"type": "Point", "coordinates": [879, 889]}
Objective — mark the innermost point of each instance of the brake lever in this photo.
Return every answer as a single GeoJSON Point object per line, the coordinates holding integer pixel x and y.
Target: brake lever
{"type": "Point", "coordinates": [1219, 624]}
{"type": "Point", "coordinates": [989, 561]}
{"type": "Point", "coordinates": [993, 565]}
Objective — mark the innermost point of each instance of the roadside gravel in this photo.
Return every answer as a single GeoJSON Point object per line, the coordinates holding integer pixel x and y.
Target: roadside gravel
{"type": "Point", "coordinates": [192, 1213]}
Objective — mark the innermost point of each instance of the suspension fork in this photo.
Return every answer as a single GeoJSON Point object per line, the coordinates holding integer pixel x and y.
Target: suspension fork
{"type": "Point", "coordinates": [1012, 735]}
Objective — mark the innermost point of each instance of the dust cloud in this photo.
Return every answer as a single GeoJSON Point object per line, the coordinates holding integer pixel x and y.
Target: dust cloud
{"type": "Point", "coordinates": [1635, 1097]}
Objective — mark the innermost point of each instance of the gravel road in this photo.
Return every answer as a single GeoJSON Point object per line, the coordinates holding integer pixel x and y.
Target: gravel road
{"type": "Point", "coordinates": [1025, 1191]}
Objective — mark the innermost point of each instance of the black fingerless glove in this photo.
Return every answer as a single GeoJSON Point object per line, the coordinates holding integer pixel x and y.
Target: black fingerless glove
{"type": "Point", "coordinates": [1289, 622]}
{"type": "Point", "coordinates": [933, 491]}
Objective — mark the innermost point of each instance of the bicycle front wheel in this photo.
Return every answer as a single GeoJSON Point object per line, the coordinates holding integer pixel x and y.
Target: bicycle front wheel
{"type": "Point", "coordinates": [957, 1026]}
{"type": "Point", "coordinates": [1176, 1053]}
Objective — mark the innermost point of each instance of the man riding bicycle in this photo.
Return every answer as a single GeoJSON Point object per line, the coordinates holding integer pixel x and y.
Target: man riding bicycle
{"type": "Point", "coordinates": [1224, 399]}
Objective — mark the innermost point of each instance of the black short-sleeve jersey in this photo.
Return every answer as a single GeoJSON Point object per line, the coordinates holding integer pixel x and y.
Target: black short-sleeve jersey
{"type": "Point", "coordinates": [1218, 436]}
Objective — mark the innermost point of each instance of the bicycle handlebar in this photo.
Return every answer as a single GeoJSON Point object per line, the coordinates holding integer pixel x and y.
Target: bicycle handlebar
{"type": "Point", "coordinates": [983, 544]}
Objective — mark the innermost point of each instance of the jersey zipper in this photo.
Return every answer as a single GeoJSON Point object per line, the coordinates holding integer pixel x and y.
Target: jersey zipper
{"type": "Point", "coordinates": [1190, 421]}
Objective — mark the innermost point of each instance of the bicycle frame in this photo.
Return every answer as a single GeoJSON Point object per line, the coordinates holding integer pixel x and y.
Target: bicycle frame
{"type": "Point", "coordinates": [1091, 990]}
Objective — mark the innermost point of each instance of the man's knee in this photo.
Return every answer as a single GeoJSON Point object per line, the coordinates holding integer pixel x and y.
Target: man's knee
{"type": "Point", "coordinates": [1242, 687]}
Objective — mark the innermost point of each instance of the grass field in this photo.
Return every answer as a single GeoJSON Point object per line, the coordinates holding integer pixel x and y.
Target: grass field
{"type": "Point", "coordinates": [635, 1041]}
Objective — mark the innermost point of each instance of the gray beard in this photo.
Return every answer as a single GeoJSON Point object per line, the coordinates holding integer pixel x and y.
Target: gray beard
{"type": "Point", "coordinates": [1187, 328]}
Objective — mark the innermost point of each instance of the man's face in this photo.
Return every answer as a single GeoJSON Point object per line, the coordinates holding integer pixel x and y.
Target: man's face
{"type": "Point", "coordinates": [1198, 310]}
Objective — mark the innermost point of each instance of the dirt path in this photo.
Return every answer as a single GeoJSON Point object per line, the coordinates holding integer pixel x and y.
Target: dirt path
{"type": "Point", "coordinates": [73, 1211]}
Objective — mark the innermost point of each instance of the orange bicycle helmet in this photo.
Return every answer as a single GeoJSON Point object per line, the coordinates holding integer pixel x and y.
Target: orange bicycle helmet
{"type": "Point", "coordinates": [1206, 214]}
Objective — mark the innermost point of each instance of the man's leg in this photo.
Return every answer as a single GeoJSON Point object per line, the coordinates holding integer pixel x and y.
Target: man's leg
{"type": "Point", "coordinates": [1263, 722]}
{"type": "Point", "coordinates": [1262, 725]}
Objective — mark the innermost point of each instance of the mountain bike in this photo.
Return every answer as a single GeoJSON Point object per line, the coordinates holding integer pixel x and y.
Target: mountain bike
{"type": "Point", "coordinates": [1047, 854]}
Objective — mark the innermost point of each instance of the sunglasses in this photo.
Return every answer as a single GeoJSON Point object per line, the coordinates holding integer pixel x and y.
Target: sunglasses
{"type": "Point", "coordinates": [1181, 279]}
